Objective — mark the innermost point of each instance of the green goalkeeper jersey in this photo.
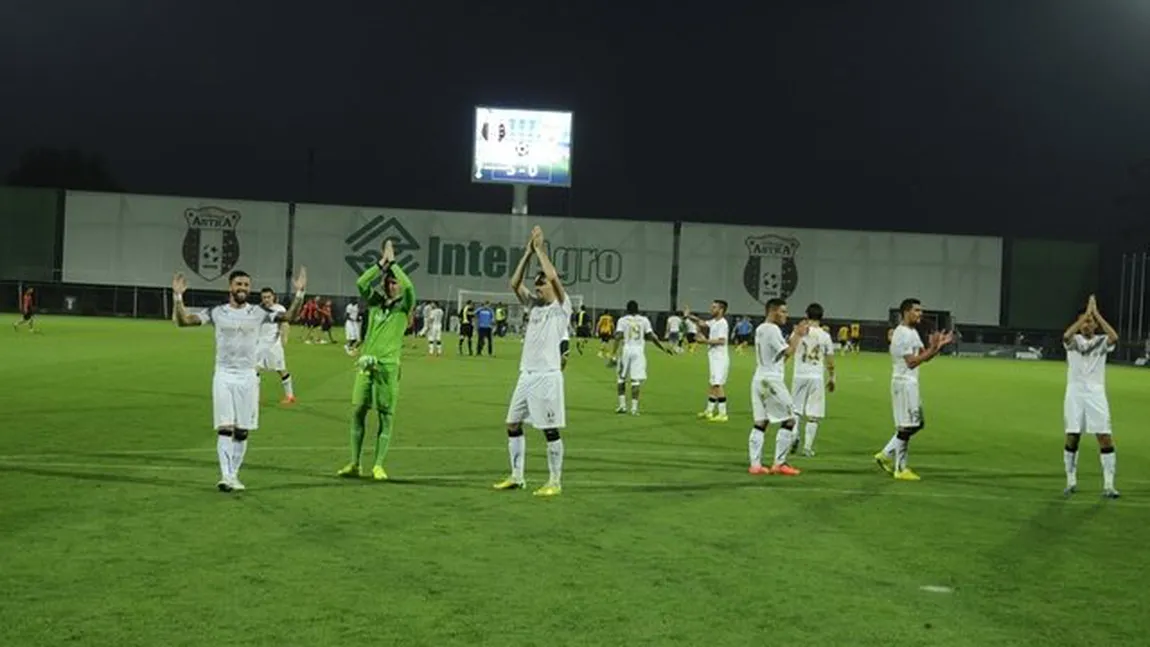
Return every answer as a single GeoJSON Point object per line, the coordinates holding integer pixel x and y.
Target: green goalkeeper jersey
{"type": "Point", "coordinates": [387, 319]}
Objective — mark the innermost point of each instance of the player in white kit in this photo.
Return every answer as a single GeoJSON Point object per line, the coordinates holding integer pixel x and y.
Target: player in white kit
{"type": "Point", "coordinates": [632, 332]}
{"type": "Point", "coordinates": [351, 323]}
{"type": "Point", "coordinates": [814, 376]}
{"type": "Point", "coordinates": [273, 334]}
{"type": "Point", "coordinates": [424, 315]}
{"type": "Point", "coordinates": [433, 320]}
{"type": "Point", "coordinates": [907, 354]}
{"type": "Point", "coordinates": [673, 336]}
{"type": "Point", "coordinates": [235, 384]}
{"type": "Point", "coordinates": [692, 333]}
{"type": "Point", "coordinates": [717, 333]}
{"type": "Point", "coordinates": [538, 396]}
{"type": "Point", "coordinates": [1085, 408]}
{"type": "Point", "coordinates": [771, 403]}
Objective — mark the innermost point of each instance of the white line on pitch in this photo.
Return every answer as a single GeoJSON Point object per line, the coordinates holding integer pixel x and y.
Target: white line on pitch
{"type": "Point", "coordinates": [653, 485]}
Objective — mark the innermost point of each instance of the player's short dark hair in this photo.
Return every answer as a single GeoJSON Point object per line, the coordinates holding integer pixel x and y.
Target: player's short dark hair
{"type": "Point", "coordinates": [722, 304]}
{"type": "Point", "coordinates": [632, 307]}
{"type": "Point", "coordinates": [908, 304]}
{"type": "Point", "coordinates": [775, 304]}
{"type": "Point", "coordinates": [267, 291]}
{"type": "Point", "coordinates": [238, 274]}
{"type": "Point", "coordinates": [815, 311]}
{"type": "Point", "coordinates": [541, 278]}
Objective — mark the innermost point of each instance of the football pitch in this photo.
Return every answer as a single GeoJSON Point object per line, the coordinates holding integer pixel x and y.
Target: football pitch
{"type": "Point", "coordinates": [112, 532]}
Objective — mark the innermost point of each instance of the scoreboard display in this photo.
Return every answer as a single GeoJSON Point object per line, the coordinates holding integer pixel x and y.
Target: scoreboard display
{"type": "Point", "coordinates": [522, 147]}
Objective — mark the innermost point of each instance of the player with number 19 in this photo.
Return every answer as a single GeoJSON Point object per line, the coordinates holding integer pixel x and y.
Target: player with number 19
{"type": "Point", "coordinates": [814, 376]}
{"type": "Point", "coordinates": [632, 332]}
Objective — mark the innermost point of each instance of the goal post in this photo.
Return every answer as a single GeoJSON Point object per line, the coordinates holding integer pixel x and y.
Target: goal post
{"type": "Point", "coordinates": [515, 310]}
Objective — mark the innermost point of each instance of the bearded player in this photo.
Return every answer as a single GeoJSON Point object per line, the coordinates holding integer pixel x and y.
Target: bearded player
{"type": "Point", "coordinates": [273, 335]}
{"type": "Point", "coordinates": [907, 354]}
{"type": "Point", "coordinates": [236, 382]}
{"type": "Point", "coordinates": [771, 403]}
{"type": "Point", "coordinates": [538, 395]}
{"type": "Point", "coordinates": [717, 333]}
{"type": "Point", "coordinates": [1085, 407]}
{"type": "Point", "coordinates": [389, 308]}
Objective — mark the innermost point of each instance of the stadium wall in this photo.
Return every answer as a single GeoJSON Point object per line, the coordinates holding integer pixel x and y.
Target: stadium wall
{"type": "Point", "coordinates": [133, 243]}
{"type": "Point", "coordinates": [29, 221]}
{"type": "Point", "coordinates": [606, 261]}
{"type": "Point", "coordinates": [856, 275]}
{"type": "Point", "coordinates": [141, 240]}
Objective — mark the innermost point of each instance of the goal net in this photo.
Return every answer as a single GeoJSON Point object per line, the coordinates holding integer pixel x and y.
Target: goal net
{"type": "Point", "coordinates": [516, 312]}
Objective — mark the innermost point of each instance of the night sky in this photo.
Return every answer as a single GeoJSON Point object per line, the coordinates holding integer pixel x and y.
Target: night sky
{"type": "Point", "coordinates": [1015, 117]}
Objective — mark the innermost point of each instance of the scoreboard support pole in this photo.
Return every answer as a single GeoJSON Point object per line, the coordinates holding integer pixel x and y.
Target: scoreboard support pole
{"type": "Point", "coordinates": [519, 199]}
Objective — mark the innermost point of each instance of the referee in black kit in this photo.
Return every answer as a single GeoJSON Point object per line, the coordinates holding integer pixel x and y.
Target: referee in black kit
{"type": "Point", "coordinates": [466, 328]}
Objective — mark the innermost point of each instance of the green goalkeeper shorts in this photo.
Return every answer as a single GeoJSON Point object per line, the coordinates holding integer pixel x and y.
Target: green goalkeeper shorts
{"type": "Point", "coordinates": [377, 388]}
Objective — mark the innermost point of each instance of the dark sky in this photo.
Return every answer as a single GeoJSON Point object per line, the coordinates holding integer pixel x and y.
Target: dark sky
{"type": "Point", "coordinates": [979, 116]}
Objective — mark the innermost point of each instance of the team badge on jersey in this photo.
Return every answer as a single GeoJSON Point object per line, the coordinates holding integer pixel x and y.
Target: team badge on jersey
{"type": "Point", "coordinates": [364, 244]}
{"type": "Point", "coordinates": [211, 246]}
{"type": "Point", "coordinates": [770, 271]}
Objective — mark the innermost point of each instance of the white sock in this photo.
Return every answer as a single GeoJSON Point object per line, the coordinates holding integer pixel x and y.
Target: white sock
{"type": "Point", "coordinates": [516, 448]}
{"type": "Point", "coordinates": [1108, 468]}
{"type": "Point", "coordinates": [711, 405]}
{"type": "Point", "coordinates": [622, 401]}
{"type": "Point", "coordinates": [635, 403]}
{"type": "Point", "coordinates": [224, 451]}
{"type": "Point", "coordinates": [723, 407]}
{"type": "Point", "coordinates": [755, 446]}
{"type": "Point", "coordinates": [1070, 461]}
{"type": "Point", "coordinates": [812, 431]}
{"type": "Point", "coordinates": [783, 440]}
{"type": "Point", "coordinates": [239, 448]}
{"type": "Point", "coordinates": [431, 348]}
{"type": "Point", "coordinates": [891, 446]}
{"type": "Point", "coordinates": [289, 390]}
{"type": "Point", "coordinates": [900, 453]}
{"type": "Point", "coordinates": [555, 460]}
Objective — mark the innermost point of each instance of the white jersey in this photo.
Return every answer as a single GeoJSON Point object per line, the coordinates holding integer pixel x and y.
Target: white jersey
{"type": "Point", "coordinates": [812, 352]}
{"type": "Point", "coordinates": [351, 313]}
{"type": "Point", "coordinates": [426, 311]}
{"type": "Point", "coordinates": [692, 327]}
{"type": "Point", "coordinates": [237, 335]}
{"type": "Point", "coordinates": [770, 360]}
{"type": "Point", "coordinates": [434, 317]}
{"type": "Point", "coordinates": [634, 329]}
{"type": "Point", "coordinates": [1086, 361]}
{"type": "Point", "coordinates": [270, 330]}
{"type": "Point", "coordinates": [674, 323]}
{"type": "Point", "coordinates": [905, 341]}
{"type": "Point", "coordinates": [546, 329]}
{"type": "Point", "coordinates": [718, 329]}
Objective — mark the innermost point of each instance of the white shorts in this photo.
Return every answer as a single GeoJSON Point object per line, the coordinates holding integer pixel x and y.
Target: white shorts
{"type": "Point", "coordinates": [435, 333]}
{"type": "Point", "coordinates": [719, 368]}
{"type": "Point", "coordinates": [770, 400]}
{"type": "Point", "coordinates": [538, 401]}
{"type": "Point", "coordinates": [905, 404]}
{"type": "Point", "coordinates": [1086, 411]}
{"type": "Point", "coordinates": [351, 331]}
{"type": "Point", "coordinates": [633, 365]}
{"type": "Point", "coordinates": [236, 400]}
{"type": "Point", "coordinates": [271, 357]}
{"type": "Point", "coordinates": [810, 396]}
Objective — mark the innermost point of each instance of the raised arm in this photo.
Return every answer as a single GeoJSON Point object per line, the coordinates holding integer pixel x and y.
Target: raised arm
{"type": "Point", "coordinates": [704, 326]}
{"type": "Point", "coordinates": [180, 314]}
{"type": "Point", "coordinates": [407, 288]}
{"type": "Point", "coordinates": [546, 266]}
{"type": "Point", "coordinates": [521, 291]}
{"type": "Point", "coordinates": [1072, 330]}
{"type": "Point", "coordinates": [300, 285]}
{"type": "Point", "coordinates": [937, 341]}
{"type": "Point", "coordinates": [366, 283]}
{"type": "Point", "coordinates": [1111, 334]}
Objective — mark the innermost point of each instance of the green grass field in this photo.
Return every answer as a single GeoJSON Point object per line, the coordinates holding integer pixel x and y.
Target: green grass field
{"type": "Point", "coordinates": [112, 533]}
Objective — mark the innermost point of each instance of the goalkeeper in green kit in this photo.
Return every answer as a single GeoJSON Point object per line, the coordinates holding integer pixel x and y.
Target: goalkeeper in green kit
{"type": "Point", "coordinates": [389, 306]}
